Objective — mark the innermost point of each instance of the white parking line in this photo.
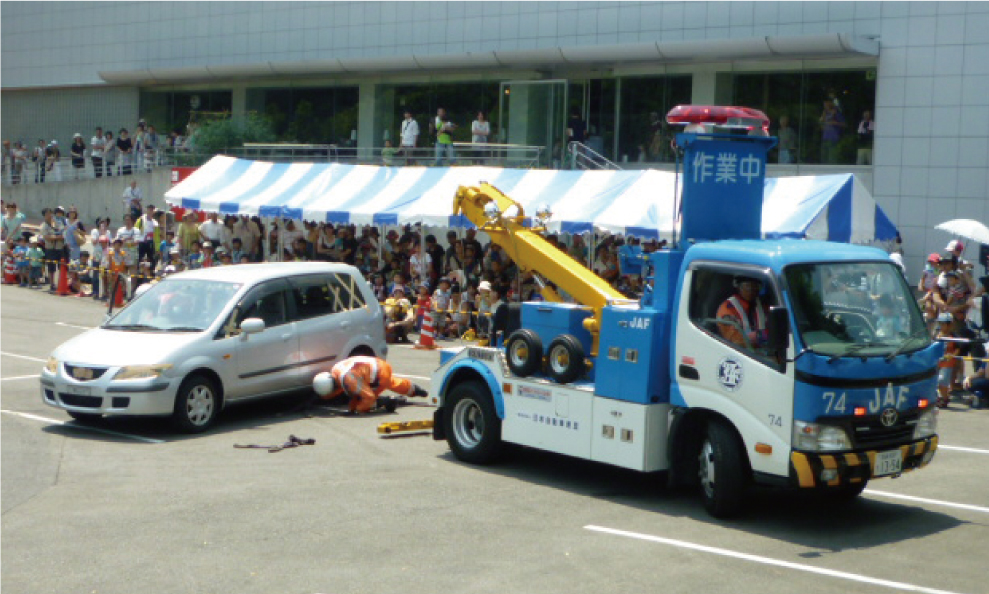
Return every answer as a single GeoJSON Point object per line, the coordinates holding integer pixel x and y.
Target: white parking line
{"type": "Point", "coordinates": [18, 377]}
{"type": "Point", "coordinates": [961, 449]}
{"type": "Point", "coordinates": [770, 561]}
{"type": "Point", "coordinates": [16, 356]}
{"type": "Point", "coordinates": [415, 377]}
{"type": "Point", "coordinates": [984, 510]}
{"type": "Point", "coordinates": [73, 326]}
{"type": "Point", "coordinates": [84, 427]}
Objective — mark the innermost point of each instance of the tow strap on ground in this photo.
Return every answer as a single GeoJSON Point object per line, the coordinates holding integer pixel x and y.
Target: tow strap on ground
{"type": "Point", "coordinates": [293, 442]}
{"type": "Point", "coordinates": [390, 428]}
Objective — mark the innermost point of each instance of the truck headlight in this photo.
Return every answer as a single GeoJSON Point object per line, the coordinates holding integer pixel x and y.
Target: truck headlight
{"type": "Point", "coordinates": [52, 365]}
{"type": "Point", "coordinates": [133, 372]}
{"type": "Point", "coordinates": [926, 425]}
{"type": "Point", "coordinates": [815, 437]}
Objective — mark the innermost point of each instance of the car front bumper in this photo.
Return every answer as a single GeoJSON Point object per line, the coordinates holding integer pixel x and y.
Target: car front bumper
{"type": "Point", "coordinates": [105, 397]}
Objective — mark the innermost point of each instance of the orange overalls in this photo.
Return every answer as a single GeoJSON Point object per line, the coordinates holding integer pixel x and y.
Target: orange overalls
{"type": "Point", "coordinates": [364, 379]}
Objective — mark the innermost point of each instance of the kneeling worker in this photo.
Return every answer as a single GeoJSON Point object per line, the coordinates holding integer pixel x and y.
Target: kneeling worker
{"type": "Point", "coordinates": [363, 379]}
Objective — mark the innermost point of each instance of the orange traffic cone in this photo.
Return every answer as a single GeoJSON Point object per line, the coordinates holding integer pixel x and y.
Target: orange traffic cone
{"type": "Point", "coordinates": [426, 334]}
{"type": "Point", "coordinates": [63, 278]}
{"type": "Point", "coordinates": [118, 297]}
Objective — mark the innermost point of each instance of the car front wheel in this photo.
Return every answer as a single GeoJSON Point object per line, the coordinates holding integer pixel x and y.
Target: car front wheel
{"type": "Point", "coordinates": [196, 405]}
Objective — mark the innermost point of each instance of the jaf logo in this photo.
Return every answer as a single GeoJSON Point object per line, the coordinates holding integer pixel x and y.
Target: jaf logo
{"type": "Point", "coordinates": [730, 374]}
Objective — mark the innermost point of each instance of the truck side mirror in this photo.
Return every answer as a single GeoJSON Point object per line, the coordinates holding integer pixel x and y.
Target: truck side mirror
{"type": "Point", "coordinates": [778, 329]}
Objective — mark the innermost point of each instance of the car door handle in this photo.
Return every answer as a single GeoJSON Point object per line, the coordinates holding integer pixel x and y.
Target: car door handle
{"type": "Point", "coordinates": [345, 324]}
{"type": "Point", "coordinates": [286, 336]}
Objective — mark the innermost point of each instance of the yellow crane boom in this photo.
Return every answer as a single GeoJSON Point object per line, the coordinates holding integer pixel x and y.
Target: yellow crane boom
{"type": "Point", "coordinates": [533, 253]}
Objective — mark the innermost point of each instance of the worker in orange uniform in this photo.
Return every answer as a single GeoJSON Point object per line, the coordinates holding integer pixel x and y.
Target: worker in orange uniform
{"type": "Point", "coordinates": [363, 379]}
{"type": "Point", "coordinates": [746, 314]}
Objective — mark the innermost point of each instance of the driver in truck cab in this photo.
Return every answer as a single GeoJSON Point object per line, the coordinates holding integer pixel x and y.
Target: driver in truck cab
{"type": "Point", "coordinates": [746, 314]}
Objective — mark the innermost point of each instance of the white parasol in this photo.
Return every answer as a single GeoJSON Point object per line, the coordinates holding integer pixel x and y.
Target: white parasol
{"type": "Point", "coordinates": [967, 228]}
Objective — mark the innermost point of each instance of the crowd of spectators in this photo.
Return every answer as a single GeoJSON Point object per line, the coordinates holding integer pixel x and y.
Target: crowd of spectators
{"type": "Point", "coordinates": [104, 155]}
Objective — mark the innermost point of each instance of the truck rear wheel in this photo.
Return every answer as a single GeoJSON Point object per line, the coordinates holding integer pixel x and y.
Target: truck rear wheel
{"type": "Point", "coordinates": [566, 359]}
{"type": "Point", "coordinates": [723, 471]}
{"type": "Point", "coordinates": [524, 351]}
{"type": "Point", "coordinates": [472, 427]}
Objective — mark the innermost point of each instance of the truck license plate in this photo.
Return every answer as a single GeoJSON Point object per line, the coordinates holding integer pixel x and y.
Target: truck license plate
{"type": "Point", "coordinates": [889, 462]}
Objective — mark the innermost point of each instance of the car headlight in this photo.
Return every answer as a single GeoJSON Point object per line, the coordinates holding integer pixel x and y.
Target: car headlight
{"type": "Point", "coordinates": [52, 365]}
{"type": "Point", "coordinates": [926, 424]}
{"type": "Point", "coordinates": [816, 437]}
{"type": "Point", "coordinates": [132, 372]}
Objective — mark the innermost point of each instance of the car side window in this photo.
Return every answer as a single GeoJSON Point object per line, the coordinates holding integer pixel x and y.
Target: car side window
{"type": "Point", "coordinates": [733, 307]}
{"type": "Point", "coordinates": [267, 303]}
{"type": "Point", "coordinates": [346, 290]}
{"type": "Point", "coordinates": [312, 297]}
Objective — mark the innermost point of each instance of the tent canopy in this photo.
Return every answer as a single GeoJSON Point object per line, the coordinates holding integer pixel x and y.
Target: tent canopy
{"type": "Point", "coordinates": [641, 203]}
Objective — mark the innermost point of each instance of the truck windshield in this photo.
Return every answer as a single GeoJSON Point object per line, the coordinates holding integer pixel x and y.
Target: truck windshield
{"type": "Point", "coordinates": [175, 305]}
{"type": "Point", "coordinates": [862, 309]}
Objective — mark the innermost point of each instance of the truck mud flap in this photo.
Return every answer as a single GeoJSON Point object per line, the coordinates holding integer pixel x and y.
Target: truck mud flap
{"type": "Point", "coordinates": [438, 433]}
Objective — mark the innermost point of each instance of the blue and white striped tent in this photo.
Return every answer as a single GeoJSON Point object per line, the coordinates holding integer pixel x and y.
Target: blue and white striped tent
{"type": "Point", "coordinates": [638, 203]}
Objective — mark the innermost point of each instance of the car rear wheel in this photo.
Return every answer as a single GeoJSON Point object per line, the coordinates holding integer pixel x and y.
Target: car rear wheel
{"type": "Point", "coordinates": [197, 404]}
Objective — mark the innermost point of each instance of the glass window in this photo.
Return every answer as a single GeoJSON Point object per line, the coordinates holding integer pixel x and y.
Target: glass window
{"type": "Point", "coordinates": [267, 303]}
{"type": "Point", "coordinates": [175, 110]}
{"type": "Point", "coordinates": [313, 298]}
{"type": "Point", "coordinates": [733, 306]}
{"type": "Point", "coordinates": [816, 114]}
{"type": "Point", "coordinates": [312, 115]}
{"type": "Point", "coordinates": [643, 135]}
{"type": "Point", "coordinates": [175, 305]}
{"type": "Point", "coordinates": [861, 309]}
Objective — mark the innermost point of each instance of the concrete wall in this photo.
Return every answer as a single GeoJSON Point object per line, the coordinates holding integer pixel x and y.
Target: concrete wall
{"type": "Point", "coordinates": [94, 198]}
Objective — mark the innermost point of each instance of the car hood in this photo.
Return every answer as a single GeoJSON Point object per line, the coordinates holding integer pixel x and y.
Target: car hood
{"type": "Point", "coordinates": [117, 347]}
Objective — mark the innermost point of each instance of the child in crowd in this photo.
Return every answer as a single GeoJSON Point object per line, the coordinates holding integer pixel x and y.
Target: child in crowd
{"type": "Point", "coordinates": [165, 248]}
{"type": "Point", "coordinates": [244, 259]}
{"type": "Point", "coordinates": [927, 286]}
{"type": "Point", "coordinates": [380, 291]}
{"type": "Point", "coordinates": [194, 260]}
{"type": "Point", "coordinates": [947, 364]}
{"type": "Point", "coordinates": [36, 257]}
{"type": "Point", "coordinates": [441, 305]}
{"type": "Point", "coordinates": [237, 249]}
{"type": "Point", "coordinates": [957, 292]}
{"type": "Point", "coordinates": [422, 304]}
{"type": "Point", "coordinates": [482, 305]}
{"type": "Point", "coordinates": [455, 320]}
{"type": "Point", "coordinates": [21, 262]}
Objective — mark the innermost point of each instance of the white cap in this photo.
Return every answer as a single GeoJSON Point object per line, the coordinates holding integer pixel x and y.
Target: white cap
{"type": "Point", "coordinates": [484, 286]}
{"type": "Point", "coordinates": [77, 135]}
{"type": "Point", "coordinates": [954, 246]}
{"type": "Point", "coordinates": [323, 383]}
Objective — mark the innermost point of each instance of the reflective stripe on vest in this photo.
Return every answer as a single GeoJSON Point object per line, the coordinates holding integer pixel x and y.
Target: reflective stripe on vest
{"type": "Point", "coordinates": [759, 317]}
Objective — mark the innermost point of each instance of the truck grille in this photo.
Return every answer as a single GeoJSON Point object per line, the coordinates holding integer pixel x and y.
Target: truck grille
{"type": "Point", "coordinates": [871, 433]}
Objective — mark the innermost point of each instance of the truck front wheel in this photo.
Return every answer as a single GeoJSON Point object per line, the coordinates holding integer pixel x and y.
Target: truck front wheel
{"type": "Point", "coordinates": [471, 424]}
{"type": "Point", "coordinates": [722, 471]}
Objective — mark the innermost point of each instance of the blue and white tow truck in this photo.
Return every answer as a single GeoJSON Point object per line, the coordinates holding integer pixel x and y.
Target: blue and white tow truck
{"type": "Point", "coordinates": [836, 386]}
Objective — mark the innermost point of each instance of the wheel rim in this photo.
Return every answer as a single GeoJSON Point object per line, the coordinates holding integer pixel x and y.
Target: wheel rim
{"type": "Point", "coordinates": [518, 353]}
{"type": "Point", "coordinates": [199, 405]}
{"type": "Point", "coordinates": [706, 469]}
{"type": "Point", "coordinates": [468, 423]}
{"type": "Point", "coordinates": [560, 359]}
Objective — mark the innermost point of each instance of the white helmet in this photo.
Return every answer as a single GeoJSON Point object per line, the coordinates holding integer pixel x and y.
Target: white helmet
{"type": "Point", "coordinates": [323, 383]}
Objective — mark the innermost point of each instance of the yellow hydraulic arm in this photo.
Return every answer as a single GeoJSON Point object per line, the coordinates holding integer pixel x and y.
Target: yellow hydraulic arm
{"type": "Point", "coordinates": [533, 253]}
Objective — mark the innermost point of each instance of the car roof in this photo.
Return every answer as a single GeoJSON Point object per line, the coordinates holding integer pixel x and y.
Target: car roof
{"type": "Point", "coordinates": [255, 273]}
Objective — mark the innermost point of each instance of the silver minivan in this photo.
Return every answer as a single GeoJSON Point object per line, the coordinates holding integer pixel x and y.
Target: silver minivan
{"type": "Point", "coordinates": [202, 339]}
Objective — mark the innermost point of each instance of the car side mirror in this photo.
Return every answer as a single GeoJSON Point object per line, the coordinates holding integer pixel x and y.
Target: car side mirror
{"type": "Point", "coordinates": [778, 329]}
{"type": "Point", "coordinates": [252, 326]}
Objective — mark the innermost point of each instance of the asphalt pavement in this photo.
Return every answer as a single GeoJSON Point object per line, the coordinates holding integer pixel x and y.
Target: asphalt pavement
{"type": "Point", "coordinates": [134, 507]}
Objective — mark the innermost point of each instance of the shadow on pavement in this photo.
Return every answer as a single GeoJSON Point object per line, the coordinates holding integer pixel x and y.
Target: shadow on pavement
{"type": "Point", "coordinates": [800, 518]}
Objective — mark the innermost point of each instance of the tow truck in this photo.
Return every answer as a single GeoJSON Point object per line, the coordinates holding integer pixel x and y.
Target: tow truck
{"type": "Point", "coordinates": [836, 386]}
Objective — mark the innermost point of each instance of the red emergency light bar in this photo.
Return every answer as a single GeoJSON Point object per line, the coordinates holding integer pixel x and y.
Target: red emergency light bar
{"type": "Point", "coordinates": [717, 115]}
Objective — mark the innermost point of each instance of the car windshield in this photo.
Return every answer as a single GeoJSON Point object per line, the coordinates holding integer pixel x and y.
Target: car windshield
{"type": "Point", "coordinates": [175, 305]}
{"type": "Point", "coordinates": [860, 309]}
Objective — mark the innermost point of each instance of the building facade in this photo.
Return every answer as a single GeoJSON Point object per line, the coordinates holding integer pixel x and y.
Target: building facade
{"type": "Point", "coordinates": [344, 72]}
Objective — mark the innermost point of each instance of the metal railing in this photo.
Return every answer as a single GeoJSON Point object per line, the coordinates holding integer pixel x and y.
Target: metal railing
{"type": "Point", "coordinates": [584, 157]}
{"type": "Point", "coordinates": [491, 155]}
